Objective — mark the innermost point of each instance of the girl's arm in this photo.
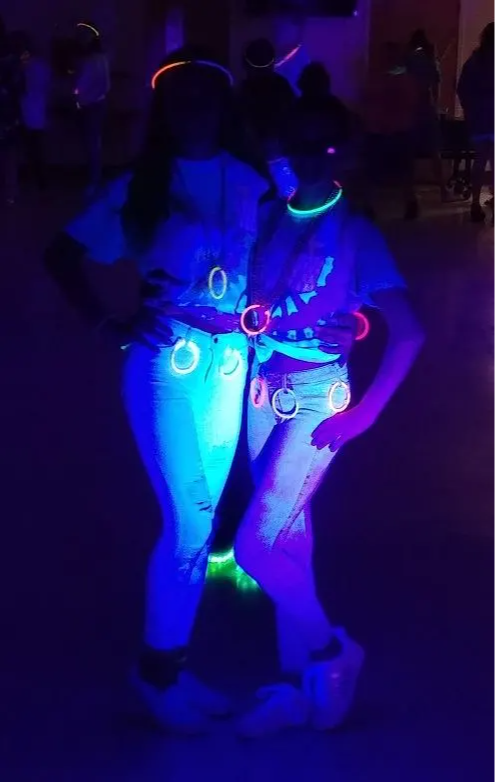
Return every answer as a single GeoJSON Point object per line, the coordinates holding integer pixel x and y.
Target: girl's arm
{"type": "Point", "coordinates": [404, 343]}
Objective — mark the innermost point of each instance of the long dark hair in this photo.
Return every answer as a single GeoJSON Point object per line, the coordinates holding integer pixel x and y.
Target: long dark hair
{"type": "Point", "coordinates": [147, 201]}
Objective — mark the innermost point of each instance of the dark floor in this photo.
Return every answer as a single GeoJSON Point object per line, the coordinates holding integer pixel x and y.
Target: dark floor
{"type": "Point", "coordinates": [404, 556]}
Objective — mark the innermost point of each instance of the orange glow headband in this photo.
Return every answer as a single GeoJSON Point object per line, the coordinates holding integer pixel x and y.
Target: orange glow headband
{"type": "Point", "coordinates": [89, 27]}
{"type": "Point", "coordinates": [207, 63]}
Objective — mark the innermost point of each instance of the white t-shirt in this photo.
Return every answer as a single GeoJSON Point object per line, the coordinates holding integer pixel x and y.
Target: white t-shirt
{"type": "Point", "coordinates": [34, 100]}
{"type": "Point", "coordinates": [212, 223]}
{"type": "Point", "coordinates": [345, 277]}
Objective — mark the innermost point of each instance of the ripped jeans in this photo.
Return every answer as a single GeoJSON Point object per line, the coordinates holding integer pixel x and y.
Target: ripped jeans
{"type": "Point", "coordinates": [275, 543]}
{"type": "Point", "coordinates": [184, 406]}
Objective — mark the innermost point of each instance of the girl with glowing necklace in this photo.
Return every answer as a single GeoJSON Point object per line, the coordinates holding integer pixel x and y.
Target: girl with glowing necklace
{"type": "Point", "coordinates": [316, 265]}
{"type": "Point", "coordinates": [187, 216]}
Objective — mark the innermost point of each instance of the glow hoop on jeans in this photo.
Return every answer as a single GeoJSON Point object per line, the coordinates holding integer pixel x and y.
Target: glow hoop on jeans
{"type": "Point", "coordinates": [365, 326]}
{"type": "Point", "coordinates": [339, 385]}
{"type": "Point", "coordinates": [229, 355]}
{"type": "Point", "coordinates": [252, 309]}
{"type": "Point", "coordinates": [258, 392]}
{"type": "Point", "coordinates": [187, 345]}
{"type": "Point", "coordinates": [284, 416]}
{"type": "Point", "coordinates": [211, 283]}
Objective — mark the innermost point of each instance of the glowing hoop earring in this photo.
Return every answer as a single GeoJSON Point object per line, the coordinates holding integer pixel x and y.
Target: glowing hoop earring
{"type": "Point", "coordinates": [180, 345]}
{"type": "Point", "coordinates": [251, 332]}
{"type": "Point", "coordinates": [258, 399]}
{"type": "Point", "coordinates": [335, 387]}
{"type": "Point", "coordinates": [285, 416]}
{"type": "Point", "coordinates": [172, 65]}
{"type": "Point", "coordinates": [266, 65]}
{"type": "Point", "coordinates": [89, 27]}
{"type": "Point", "coordinates": [211, 279]}
{"type": "Point", "coordinates": [231, 353]}
{"type": "Point", "coordinates": [366, 326]}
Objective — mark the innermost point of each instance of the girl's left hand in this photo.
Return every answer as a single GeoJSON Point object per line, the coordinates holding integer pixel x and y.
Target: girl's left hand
{"type": "Point", "coordinates": [337, 430]}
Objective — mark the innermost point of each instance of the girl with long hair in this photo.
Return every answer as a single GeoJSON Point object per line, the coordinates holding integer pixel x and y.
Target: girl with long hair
{"type": "Point", "coordinates": [316, 265]}
{"type": "Point", "coordinates": [187, 214]}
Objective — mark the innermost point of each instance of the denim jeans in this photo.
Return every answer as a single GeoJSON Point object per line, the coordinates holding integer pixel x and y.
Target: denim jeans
{"type": "Point", "coordinates": [184, 405]}
{"type": "Point", "coordinates": [274, 543]}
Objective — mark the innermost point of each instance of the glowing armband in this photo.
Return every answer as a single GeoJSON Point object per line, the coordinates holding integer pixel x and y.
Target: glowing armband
{"type": "Point", "coordinates": [365, 326]}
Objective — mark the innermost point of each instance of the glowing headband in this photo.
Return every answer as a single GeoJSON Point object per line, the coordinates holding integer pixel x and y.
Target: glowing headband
{"type": "Point", "coordinates": [288, 56]}
{"type": "Point", "coordinates": [266, 65]}
{"type": "Point", "coordinates": [89, 27]}
{"type": "Point", "coordinates": [207, 63]}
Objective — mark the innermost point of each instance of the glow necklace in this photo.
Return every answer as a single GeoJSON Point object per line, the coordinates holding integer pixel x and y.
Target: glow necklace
{"type": "Point", "coordinates": [317, 210]}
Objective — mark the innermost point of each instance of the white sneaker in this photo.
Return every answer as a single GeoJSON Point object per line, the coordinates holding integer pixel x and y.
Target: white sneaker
{"type": "Point", "coordinates": [207, 700]}
{"type": "Point", "coordinates": [330, 685]}
{"type": "Point", "coordinates": [281, 706]}
{"type": "Point", "coordinates": [172, 708]}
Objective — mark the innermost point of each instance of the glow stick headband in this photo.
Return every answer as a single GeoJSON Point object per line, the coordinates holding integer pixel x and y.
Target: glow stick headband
{"type": "Point", "coordinates": [288, 56]}
{"type": "Point", "coordinates": [89, 27]}
{"type": "Point", "coordinates": [207, 63]}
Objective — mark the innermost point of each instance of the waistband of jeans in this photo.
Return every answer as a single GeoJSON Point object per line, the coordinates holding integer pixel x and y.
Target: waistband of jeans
{"type": "Point", "coordinates": [203, 338]}
{"type": "Point", "coordinates": [322, 373]}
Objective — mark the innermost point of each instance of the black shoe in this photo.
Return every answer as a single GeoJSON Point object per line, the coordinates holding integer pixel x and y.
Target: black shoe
{"type": "Point", "coordinates": [412, 211]}
{"type": "Point", "coordinates": [477, 214]}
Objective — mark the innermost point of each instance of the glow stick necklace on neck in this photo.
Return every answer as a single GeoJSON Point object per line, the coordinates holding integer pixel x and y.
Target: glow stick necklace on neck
{"type": "Point", "coordinates": [317, 210]}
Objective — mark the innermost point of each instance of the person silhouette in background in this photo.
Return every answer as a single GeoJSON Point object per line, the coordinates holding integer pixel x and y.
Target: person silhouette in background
{"type": "Point", "coordinates": [92, 85]}
{"type": "Point", "coordinates": [11, 88]}
{"type": "Point", "coordinates": [266, 101]}
{"type": "Point", "coordinates": [34, 101]}
{"type": "Point", "coordinates": [390, 112]}
{"type": "Point", "coordinates": [475, 91]}
{"type": "Point", "coordinates": [423, 66]}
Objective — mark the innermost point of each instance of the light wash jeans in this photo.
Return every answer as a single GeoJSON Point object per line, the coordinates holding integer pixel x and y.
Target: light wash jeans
{"type": "Point", "coordinates": [275, 542]}
{"type": "Point", "coordinates": [186, 425]}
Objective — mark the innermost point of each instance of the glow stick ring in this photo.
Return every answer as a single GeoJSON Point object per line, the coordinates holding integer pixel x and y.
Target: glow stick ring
{"type": "Point", "coordinates": [250, 332]}
{"type": "Point", "coordinates": [231, 353]}
{"type": "Point", "coordinates": [177, 64]}
{"type": "Point", "coordinates": [285, 416]}
{"type": "Point", "coordinates": [89, 27]}
{"type": "Point", "coordinates": [211, 279]}
{"type": "Point", "coordinates": [365, 324]}
{"type": "Point", "coordinates": [180, 345]}
{"type": "Point", "coordinates": [258, 399]}
{"type": "Point", "coordinates": [335, 387]}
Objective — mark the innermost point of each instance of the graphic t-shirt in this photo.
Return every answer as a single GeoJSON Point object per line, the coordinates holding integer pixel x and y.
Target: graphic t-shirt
{"type": "Point", "coordinates": [344, 275]}
{"type": "Point", "coordinates": [202, 250]}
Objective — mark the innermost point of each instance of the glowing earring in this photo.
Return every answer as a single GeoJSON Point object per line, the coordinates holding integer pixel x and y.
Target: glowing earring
{"type": "Point", "coordinates": [89, 27]}
{"type": "Point", "coordinates": [280, 413]}
{"type": "Point", "coordinates": [190, 347]}
{"type": "Point", "coordinates": [339, 388]}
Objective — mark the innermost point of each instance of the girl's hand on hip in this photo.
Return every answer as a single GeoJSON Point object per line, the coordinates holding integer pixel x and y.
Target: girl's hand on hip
{"type": "Point", "coordinates": [337, 430]}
